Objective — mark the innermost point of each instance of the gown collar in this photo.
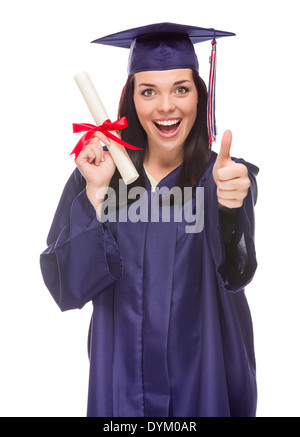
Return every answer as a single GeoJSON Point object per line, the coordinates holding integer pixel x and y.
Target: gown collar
{"type": "Point", "coordinates": [168, 181]}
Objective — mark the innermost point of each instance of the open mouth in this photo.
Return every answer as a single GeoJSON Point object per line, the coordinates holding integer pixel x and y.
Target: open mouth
{"type": "Point", "coordinates": [168, 127]}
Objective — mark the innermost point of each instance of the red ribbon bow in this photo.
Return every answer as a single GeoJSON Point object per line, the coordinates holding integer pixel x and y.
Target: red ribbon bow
{"type": "Point", "coordinates": [106, 127]}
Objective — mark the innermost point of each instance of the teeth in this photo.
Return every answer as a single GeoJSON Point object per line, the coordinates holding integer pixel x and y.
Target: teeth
{"type": "Point", "coordinates": [167, 122]}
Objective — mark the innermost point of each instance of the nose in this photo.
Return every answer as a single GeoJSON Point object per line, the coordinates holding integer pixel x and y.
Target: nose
{"type": "Point", "coordinates": [166, 104]}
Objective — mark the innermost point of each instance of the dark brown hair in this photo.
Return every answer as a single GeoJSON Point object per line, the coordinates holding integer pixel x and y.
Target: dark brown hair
{"type": "Point", "coordinates": [196, 149]}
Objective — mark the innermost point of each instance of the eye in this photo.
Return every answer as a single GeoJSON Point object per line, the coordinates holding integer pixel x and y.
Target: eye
{"type": "Point", "coordinates": [182, 90]}
{"type": "Point", "coordinates": [148, 93]}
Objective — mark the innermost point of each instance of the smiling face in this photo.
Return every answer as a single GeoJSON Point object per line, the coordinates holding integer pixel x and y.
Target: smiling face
{"type": "Point", "coordinates": [166, 105]}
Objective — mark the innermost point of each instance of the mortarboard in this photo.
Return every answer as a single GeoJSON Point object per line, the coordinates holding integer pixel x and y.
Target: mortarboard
{"type": "Point", "coordinates": [167, 46]}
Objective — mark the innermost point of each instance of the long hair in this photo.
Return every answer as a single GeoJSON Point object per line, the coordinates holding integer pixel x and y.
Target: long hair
{"type": "Point", "coordinates": [197, 149]}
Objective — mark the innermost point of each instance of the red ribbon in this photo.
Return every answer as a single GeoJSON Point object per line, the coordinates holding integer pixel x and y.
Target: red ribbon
{"type": "Point", "coordinates": [105, 128]}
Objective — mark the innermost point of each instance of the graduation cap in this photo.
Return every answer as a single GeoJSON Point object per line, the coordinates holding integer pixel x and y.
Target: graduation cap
{"type": "Point", "coordinates": [168, 46]}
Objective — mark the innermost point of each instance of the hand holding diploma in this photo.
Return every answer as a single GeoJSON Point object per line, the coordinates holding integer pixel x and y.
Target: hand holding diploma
{"type": "Point", "coordinates": [98, 166]}
{"type": "Point", "coordinates": [230, 177]}
{"type": "Point", "coordinates": [119, 154]}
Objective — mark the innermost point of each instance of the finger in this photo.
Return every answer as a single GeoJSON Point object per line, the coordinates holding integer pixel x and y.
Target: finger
{"type": "Point", "coordinates": [230, 194]}
{"type": "Point", "coordinates": [105, 140]}
{"type": "Point", "coordinates": [234, 184]}
{"type": "Point", "coordinates": [226, 195]}
{"type": "Point", "coordinates": [236, 170]}
{"type": "Point", "coordinates": [98, 151]}
{"type": "Point", "coordinates": [86, 155]}
{"type": "Point", "coordinates": [91, 152]}
{"type": "Point", "coordinates": [224, 153]}
{"type": "Point", "coordinates": [94, 141]}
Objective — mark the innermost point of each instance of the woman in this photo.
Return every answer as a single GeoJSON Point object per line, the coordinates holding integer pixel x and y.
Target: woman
{"type": "Point", "coordinates": [171, 332]}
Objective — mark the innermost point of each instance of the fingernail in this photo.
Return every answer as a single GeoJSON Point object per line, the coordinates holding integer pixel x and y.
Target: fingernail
{"type": "Point", "coordinates": [102, 159]}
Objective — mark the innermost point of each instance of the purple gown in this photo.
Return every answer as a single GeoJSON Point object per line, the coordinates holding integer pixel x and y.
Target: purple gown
{"type": "Point", "coordinates": [171, 332]}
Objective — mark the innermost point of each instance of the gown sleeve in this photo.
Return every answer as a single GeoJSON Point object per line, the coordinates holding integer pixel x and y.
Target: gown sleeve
{"type": "Point", "coordinates": [82, 259]}
{"type": "Point", "coordinates": [232, 247]}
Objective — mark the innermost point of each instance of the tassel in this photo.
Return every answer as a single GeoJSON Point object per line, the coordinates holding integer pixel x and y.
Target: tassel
{"type": "Point", "coordinates": [211, 116]}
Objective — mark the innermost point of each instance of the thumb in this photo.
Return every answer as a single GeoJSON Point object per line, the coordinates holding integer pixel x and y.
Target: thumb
{"type": "Point", "coordinates": [224, 154]}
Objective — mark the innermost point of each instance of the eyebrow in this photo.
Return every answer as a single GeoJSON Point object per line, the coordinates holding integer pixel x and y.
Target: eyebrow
{"type": "Point", "coordinates": [179, 82]}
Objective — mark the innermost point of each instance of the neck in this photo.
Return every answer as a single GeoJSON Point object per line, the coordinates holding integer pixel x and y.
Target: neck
{"type": "Point", "coordinates": [159, 162]}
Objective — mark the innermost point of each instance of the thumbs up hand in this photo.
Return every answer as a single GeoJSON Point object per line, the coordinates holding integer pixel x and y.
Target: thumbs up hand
{"type": "Point", "coordinates": [230, 177]}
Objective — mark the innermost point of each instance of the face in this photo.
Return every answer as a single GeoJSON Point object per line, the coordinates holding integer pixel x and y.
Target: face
{"type": "Point", "coordinates": [166, 105]}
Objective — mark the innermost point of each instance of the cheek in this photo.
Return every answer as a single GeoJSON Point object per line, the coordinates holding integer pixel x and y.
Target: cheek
{"type": "Point", "coordinates": [143, 112]}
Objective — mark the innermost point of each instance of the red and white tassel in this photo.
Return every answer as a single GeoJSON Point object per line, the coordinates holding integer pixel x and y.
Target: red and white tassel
{"type": "Point", "coordinates": [211, 116]}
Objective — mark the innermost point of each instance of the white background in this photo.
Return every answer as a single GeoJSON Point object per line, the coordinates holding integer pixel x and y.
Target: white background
{"type": "Point", "coordinates": [44, 364]}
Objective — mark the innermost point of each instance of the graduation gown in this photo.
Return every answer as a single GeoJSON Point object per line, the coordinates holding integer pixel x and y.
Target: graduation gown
{"type": "Point", "coordinates": [171, 332]}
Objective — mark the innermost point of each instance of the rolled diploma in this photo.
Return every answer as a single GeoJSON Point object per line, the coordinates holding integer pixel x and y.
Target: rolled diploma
{"type": "Point", "coordinates": [119, 154]}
